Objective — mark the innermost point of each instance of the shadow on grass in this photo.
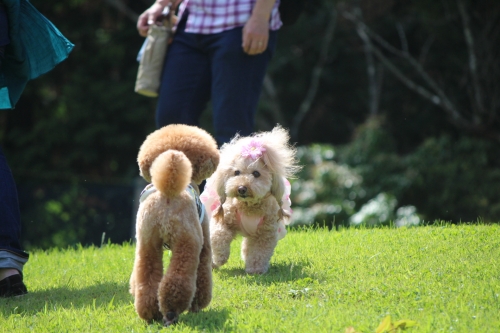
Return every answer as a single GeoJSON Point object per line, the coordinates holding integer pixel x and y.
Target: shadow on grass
{"type": "Point", "coordinates": [278, 272]}
{"type": "Point", "coordinates": [104, 295]}
{"type": "Point", "coordinates": [211, 320]}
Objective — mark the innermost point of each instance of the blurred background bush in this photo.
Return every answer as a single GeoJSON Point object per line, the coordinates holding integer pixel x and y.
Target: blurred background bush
{"type": "Point", "coordinates": [366, 182]}
{"type": "Point", "coordinates": [393, 106]}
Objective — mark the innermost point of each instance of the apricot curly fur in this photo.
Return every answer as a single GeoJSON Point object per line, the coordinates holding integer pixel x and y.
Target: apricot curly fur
{"type": "Point", "coordinates": [172, 158]}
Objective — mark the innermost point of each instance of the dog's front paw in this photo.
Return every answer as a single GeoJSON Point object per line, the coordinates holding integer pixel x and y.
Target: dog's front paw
{"type": "Point", "coordinates": [257, 269]}
{"type": "Point", "coordinates": [150, 316]}
{"type": "Point", "coordinates": [171, 318]}
{"type": "Point", "coordinates": [218, 261]}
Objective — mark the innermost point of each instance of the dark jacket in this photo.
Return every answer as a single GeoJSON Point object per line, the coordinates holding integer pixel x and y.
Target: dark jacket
{"type": "Point", "coordinates": [36, 47]}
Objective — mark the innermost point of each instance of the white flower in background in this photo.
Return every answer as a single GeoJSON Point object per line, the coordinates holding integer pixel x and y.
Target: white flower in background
{"type": "Point", "coordinates": [406, 216]}
{"type": "Point", "coordinates": [376, 211]}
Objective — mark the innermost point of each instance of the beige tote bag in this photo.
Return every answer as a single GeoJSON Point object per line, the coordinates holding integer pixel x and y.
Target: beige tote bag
{"type": "Point", "coordinates": [153, 56]}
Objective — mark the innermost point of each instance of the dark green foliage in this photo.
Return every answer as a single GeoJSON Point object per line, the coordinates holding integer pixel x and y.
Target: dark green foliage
{"type": "Point", "coordinates": [82, 123]}
{"type": "Point", "coordinates": [325, 192]}
{"type": "Point", "coordinates": [61, 215]}
{"type": "Point", "coordinates": [372, 154]}
{"type": "Point", "coordinates": [455, 179]}
{"type": "Point", "coordinates": [445, 179]}
{"type": "Point", "coordinates": [83, 120]}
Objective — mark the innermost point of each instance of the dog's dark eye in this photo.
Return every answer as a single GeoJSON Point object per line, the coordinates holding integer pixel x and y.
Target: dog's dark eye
{"type": "Point", "coordinates": [237, 172]}
{"type": "Point", "coordinates": [256, 174]}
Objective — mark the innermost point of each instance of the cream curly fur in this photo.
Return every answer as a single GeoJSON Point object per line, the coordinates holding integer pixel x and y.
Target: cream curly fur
{"type": "Point", "coordinates": [172, 158]}
{"type": "Point", "coordinates": [254, 188]}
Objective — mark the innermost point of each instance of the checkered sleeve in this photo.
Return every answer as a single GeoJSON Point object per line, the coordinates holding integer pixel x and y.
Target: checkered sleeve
{"type": "Point", "coordinates": [214, 16]}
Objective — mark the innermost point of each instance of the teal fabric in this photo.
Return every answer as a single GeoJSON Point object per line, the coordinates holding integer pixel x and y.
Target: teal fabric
{"type": "Point", "coordinates": [36, 47]}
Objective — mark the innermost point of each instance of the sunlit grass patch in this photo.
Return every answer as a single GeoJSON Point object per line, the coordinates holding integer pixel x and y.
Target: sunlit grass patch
{"type": "Point", "coordinates": [444, 278]}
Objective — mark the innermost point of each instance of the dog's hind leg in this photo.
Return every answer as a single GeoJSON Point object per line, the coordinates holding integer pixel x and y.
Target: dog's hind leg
{"type": "Point", "coordinates": [177, 288]}
{"type": "Point", "coordinates": [146, 276]}
{"type": "Point", "coordinates": [257, 253]}
{"type": "Point", "coordinates": [203, 294]}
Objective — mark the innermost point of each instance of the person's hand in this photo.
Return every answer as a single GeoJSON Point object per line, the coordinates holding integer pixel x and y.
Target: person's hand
{"type": "Point", "coordinates": [256, 34]}
{"type": "Point", "coordinates": [149, 17]}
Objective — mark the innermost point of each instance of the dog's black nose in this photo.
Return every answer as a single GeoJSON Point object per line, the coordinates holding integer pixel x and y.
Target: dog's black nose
{"type": "Point", "coordinates": [170, 315]}
{"type": "Point", "coordinates": [170, 319]}
{"type": "Point", "coordinates": [242, 190]}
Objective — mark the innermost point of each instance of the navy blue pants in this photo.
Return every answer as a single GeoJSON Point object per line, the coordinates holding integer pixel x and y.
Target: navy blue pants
{"type": "Point", "coordinates": [201, 68]}
{"type": "Point", "coordinates": [11, 253]}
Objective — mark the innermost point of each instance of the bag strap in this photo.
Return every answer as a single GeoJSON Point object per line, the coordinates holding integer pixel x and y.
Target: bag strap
{"type": "Point", "coordinates": [166, 15]}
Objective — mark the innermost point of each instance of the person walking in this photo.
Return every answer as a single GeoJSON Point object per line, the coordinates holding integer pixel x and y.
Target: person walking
{"type": "Point", "coordinates": [30, 45]}
{"type": "Point", "coordinates": [219, 54]}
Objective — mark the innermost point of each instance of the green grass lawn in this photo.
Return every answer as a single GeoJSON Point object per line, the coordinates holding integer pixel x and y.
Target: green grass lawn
{"type": "Point", "coordinates": [446, 279]}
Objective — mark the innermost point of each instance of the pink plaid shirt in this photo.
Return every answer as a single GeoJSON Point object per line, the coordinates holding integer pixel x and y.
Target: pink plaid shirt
{"type": "Point", "coordinates": [213, 16]}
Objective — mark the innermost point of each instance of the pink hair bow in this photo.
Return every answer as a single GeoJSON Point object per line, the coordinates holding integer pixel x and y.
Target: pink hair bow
{"type": "Point", "coordinates": [254, 149]}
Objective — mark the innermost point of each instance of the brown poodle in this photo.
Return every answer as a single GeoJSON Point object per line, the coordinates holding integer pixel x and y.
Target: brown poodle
{"type": "Point", "coordinates": [248, 194]}
{"type": "Point", "coordinates": [174, 159]}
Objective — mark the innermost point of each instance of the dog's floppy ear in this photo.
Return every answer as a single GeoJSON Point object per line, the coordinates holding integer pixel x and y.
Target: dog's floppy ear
{"type": "Point", "coordinates": [218, 182]}
{"type": "Point", "coordinates": [278, 188]}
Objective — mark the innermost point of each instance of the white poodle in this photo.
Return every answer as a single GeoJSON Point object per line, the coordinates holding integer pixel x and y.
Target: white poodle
{"type": "Point", "coordinates": [249, 195]}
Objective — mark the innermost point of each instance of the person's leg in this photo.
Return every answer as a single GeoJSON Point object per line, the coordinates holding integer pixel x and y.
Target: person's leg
{"type": "Point", "coordinates": [236, 83]}
{"type": "Point", "coordinates": [185, 84]}
{"type": "Point", "coordinates": [12, 257]}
